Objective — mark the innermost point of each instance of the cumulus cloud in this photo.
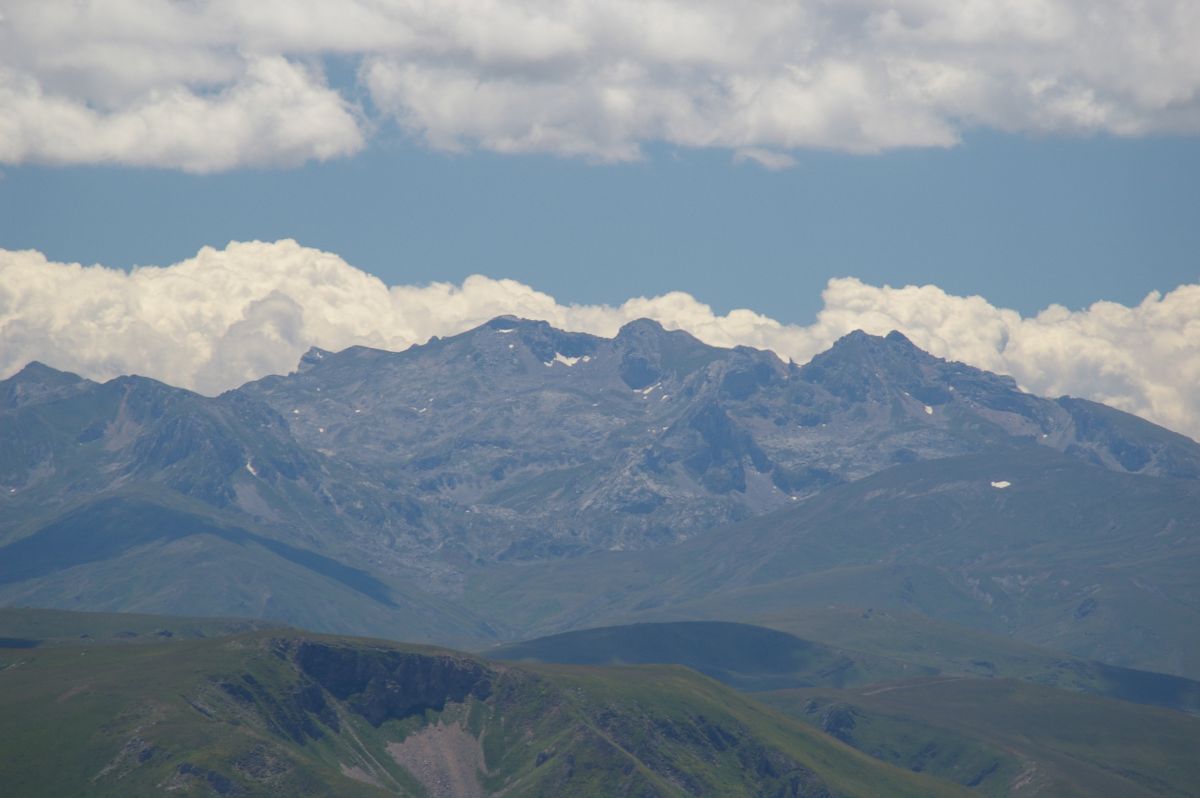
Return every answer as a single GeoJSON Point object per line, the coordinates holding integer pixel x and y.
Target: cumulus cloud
{"type": "Point", "coordinates": [227, 316]}
{"type": "Point", "coordinates": [275, 113]}
{"type": "Point", "coordinates": [216, 84]}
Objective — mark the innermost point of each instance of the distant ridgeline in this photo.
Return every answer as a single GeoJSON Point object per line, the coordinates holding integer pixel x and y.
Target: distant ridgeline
{"type": "Point", "coordinates": [518, 480]}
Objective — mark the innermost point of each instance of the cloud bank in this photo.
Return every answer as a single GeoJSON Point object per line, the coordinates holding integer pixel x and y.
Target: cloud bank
{"type": "Point", "coordinates": [217, 84]}
{"type": "Point", "coordinates": [227, 316]}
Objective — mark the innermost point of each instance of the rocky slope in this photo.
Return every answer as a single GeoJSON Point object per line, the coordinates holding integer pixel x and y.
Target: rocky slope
{"type": "Point", "coordinates": [526, 442]}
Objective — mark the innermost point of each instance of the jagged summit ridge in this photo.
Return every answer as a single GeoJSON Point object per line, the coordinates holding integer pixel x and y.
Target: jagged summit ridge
{"type": "Point", "coordinates": [650, 435]}
{"type": "Point", "coordinates": [519, 441]}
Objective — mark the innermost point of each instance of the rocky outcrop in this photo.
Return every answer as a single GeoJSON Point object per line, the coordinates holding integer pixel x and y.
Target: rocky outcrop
{"type": "Point", "coordinates": [383, 684]}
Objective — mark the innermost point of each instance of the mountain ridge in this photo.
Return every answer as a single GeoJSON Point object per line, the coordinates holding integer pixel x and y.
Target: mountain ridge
{"type": "Point", "coordinates": [509, 444]}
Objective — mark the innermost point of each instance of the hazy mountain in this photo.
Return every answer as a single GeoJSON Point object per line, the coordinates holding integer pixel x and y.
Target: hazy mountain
{"type": "Point", "coordinates": [920, 518]}
{"type": "Point", "coordinates": [420, 494]}
{"type": "Point", "coordinates": [1026, 543]}
{"type": "Point", "coordinates": [536, 443]}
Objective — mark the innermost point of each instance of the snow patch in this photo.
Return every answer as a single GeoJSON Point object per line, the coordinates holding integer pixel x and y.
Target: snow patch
{"type": "Point", "coordinates": [1002, 484]}
{"type": "Point", "coordinates": [928, 410]}
{"type": "Point", "coordinates": [651, 389]}
{"type": "Point", "coordinates": [559, 357]}
{"type": "Point", "coordinates": [251, 469]}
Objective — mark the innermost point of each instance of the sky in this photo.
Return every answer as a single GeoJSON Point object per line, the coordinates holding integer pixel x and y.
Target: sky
{"type": "Point", "coordinates": [1013, 183]}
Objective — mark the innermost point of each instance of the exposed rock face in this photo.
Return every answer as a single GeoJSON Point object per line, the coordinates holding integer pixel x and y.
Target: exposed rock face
{"type": "Point", "coordinates": [36, 383]}
{"type": "Point", "coordinates": [517, 441]}
{"type": "Point", "coordinates": [385, 684]}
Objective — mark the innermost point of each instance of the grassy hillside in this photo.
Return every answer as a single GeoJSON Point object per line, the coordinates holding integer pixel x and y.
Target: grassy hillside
{"type": "Point", "coordinates": [1005, 737]}
{"type": "Point", "coordinates": [755, 658]}
{"type": "Point", "coordinates": [740, 655]}
{"type": "Point", "coordinates": [279, 712]}
{"type": "Point", "coordinates": [997, 736]}
{"type": "Point", "coordinates": [951, 649]}
{"type": "Point", "coordinates": [128, 553]}
{"type": "Point", "coordinates": [30, 628]}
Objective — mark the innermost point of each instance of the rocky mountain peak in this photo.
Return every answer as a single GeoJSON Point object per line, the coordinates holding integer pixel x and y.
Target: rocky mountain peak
{"type": "Point", "coordinates": [650, 352]}
{"type": "Point", "coordinates": [37, 382]}
{"type": "Point", "coordinates": [862, 346]}
{"type": "Point", "coordinates": [505, 322]}
{"type": "Point", "coordinates": [649, 335]}
{"type": "Point", "coordinates": [641, 327]}
{"type": "Point", "coordinates": [509, 323]}
{"type": "Point", "coordinates": [312, 357]}
{"type": "Point", "coordinates": [860, 366]}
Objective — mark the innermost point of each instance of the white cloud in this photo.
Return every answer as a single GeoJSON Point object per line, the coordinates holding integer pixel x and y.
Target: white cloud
{"type": "Point", "coordinates": [276, 113]}
{"type": "Point", "coordinates": [216, 84]}
{"type": "Point", "coordinates": [227, 316]}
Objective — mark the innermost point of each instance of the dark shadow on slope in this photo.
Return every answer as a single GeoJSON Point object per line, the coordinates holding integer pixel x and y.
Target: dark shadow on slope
{"type": "Point", "coordinates": [740, 655]}
{"type": "Point", "coordinates": [19, 642]}
{"type": "Point", "coordinates": [108, 528]}
{"type": "Point", "coordinates": [1148, 687]}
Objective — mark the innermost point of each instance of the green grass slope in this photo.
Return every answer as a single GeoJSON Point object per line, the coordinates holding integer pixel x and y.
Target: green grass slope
{"type": "Point", "coordinates": [755, 658]}
{"type": "Point", "coordinates": [997, 736]}
{"type": "Point", "coordinates": [279, 712]}
{"type": "Point", "coordinates": [950, 649]}
{"type": "Point", "coordinates": [129, 552]}
{"type": "Point", "coordinates": [1006, 737]}
{"type": "Point", "coordinates": [30, 628]}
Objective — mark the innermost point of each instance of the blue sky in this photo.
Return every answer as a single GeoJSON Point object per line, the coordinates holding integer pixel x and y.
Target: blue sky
{"type": "Point", "coordinates": [1024, 221]}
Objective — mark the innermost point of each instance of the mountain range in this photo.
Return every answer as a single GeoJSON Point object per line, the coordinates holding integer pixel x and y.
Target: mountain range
{"type": "Point", "coordinates": [517, 480]}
